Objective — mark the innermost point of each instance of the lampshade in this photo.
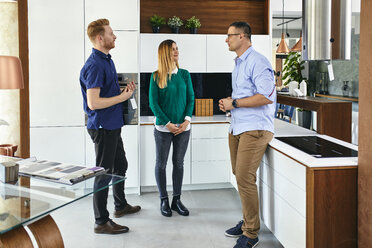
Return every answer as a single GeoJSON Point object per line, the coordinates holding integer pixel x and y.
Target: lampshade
{"type": "Point", "coordinates": [298, 46]}
{"type": "Point", "coordinates": [282, 48]}
{"type": "Point", "coordinates": [11, 76]}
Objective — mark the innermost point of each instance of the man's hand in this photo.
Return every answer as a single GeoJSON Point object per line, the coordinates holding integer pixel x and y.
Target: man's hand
{"type": "Point", "coordinates": [172, 127]}
{"type": "Point", "coordinates": [182, 127]}
{"type": "Point", "coordinates": [127, 92]}
{"type": "Point", "coordinates": [225, 104]}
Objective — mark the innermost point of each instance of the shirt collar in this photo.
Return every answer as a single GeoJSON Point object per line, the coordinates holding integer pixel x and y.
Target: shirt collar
{"type": "Point", "coordinates": [175, 71]}
{"type": "Point", "coordinates": [101, 54]}
{"type": "Point", "coordinates": [245, 55]}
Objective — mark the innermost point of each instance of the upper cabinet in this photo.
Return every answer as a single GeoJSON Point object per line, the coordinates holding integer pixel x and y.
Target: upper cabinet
{"type": "Point", "coordinates": [198, 53]}
{"type": "Point", "coordinates": [123, 15]}
{"type": "Point", "coordinates": [215, 15]}
{"type": "Point", "coordinates": [192, 51]}
{"type": "Point", "coordinates": [56, 55]}
{"type": "Point", "coordinates": [125, 53]}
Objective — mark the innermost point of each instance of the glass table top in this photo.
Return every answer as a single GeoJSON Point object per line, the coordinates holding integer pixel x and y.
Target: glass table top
{"type": "Point", "coordinates": [31, 198]}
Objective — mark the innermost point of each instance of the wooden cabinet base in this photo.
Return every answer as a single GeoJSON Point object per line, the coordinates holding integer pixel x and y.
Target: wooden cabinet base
{"type": "Point", "coordinates": [45, 231]}
{"type": "Point", "coordinates": [331, 208]}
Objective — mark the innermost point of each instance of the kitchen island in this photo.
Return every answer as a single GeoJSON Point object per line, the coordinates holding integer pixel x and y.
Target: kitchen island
{"type": "Point", "coordinates": [308, 201]}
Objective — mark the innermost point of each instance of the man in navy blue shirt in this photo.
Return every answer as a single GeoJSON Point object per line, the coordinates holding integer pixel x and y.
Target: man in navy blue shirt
{"type": "Point", "coordinates": [103, 105]}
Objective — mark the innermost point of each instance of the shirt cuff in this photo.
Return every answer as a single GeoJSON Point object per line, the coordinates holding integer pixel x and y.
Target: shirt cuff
{"type": "Point", "coordinates": [188, 118]}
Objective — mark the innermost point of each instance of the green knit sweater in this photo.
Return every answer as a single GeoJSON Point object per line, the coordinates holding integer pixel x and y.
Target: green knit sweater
{"type": "Point", "coordinates": [175, 101]}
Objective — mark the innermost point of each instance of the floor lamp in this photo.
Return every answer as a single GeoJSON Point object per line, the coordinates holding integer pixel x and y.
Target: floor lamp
{"type": "Point", "coordinates": [11, 77]}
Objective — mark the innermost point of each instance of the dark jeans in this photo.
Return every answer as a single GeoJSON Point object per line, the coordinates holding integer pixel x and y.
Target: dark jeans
{"type": "Point", "coordinates": [110, 155]}
{"type": "Point", "coordinates": [163, 142]}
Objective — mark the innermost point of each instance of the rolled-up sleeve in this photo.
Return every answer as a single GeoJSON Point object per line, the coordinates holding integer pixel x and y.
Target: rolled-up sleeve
{"type": "Point", "coordinates": [263, 79]}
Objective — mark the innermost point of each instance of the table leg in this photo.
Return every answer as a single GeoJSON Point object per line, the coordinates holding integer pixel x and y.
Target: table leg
{"type": "Point", "coordinates": [46, 233]}
{"type": "Point", "coordinates": [16, 238]}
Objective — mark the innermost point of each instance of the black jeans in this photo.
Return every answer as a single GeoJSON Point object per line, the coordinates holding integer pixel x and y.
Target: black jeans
{"type": "Point", "coordinates": [163, 142]}
{"type": "Point", "coordinates": [110, 155]}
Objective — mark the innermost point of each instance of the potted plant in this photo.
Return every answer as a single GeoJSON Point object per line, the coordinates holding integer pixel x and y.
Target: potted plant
{"type": "Point", "coordinates": [293, 65]}
{"type": "Point", "coordinates": [193, 24]}
{"type": "Point", "coordinates": [156, 22]}
{"type": "Point", "coordinates": [175, 23]}
{"type": "Point", "coordinates": [292, 71]}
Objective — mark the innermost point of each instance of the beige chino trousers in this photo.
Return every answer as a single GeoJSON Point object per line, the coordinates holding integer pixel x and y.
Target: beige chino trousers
{"type": "Point", "coordinates": [246, 152]}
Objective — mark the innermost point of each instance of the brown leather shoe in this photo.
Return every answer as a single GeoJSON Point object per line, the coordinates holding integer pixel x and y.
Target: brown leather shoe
{"type": "Point", "coordinates": [127, 210]}
{"type": "Point", "coordinates": [110, 227]}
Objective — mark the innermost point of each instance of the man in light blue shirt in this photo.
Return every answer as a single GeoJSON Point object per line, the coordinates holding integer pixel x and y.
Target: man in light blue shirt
{"type": "Point", "coordinates": [252, 107]}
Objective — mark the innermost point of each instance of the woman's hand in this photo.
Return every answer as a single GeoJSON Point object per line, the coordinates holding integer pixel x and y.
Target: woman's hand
{"type": "Point", "coordinates": [172, 127]}
{"type": "Point", "coordinates": [182, 127]}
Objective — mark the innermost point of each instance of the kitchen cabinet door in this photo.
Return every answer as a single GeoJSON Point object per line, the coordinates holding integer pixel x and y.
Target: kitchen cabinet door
{"type": "Point", "coordinates": [61, 144]}
{"type": "Point", "coordinates": [123, 15]}
{"type": "Point", "coordinates": [219, 58]}
{"type": "Point", "coordinates": [210, 155]}
{"type": "Point", "coordinates": [262, 44]}
{"type": "Point", "coordinates": [125, 53]}
{"type": "Point", "coordinates": [192, 49]}
{"type": "Point", "coordinates": [56, 56]}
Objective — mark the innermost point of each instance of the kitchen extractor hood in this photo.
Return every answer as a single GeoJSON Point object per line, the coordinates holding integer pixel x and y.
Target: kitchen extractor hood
{"type": "Point", "coordinates": [326, 29]}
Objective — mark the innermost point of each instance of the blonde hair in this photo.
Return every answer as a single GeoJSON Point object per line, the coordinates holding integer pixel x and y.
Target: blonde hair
{"type": "Point", "coordinates": [97, 28]}
{"type": "Point", "coordinates": [165, 63]}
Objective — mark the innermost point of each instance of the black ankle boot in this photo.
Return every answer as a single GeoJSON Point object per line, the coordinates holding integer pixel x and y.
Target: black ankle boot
{"type": "Point", "coordinates": [178, 206]}
{"type": "Point", "coordinates": [164, 207]}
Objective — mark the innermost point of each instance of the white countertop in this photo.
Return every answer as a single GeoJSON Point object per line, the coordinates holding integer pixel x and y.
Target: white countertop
{"type": "Point", "coordinates": [283, 128]}
{"type": "Point", "coordinates": [145, 120]}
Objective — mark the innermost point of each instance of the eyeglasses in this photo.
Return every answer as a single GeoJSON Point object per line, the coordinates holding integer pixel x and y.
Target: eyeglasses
{"type": "Point", "coordinates": [229, 35]}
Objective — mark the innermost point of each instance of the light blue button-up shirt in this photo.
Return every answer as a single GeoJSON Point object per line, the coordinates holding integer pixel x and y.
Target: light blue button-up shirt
{"type": "Point", "coordinates": [253, 75]}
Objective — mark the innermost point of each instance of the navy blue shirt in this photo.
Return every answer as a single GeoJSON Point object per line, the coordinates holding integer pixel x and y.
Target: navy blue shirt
{"type": "Point", "coordinates": [99, 71]}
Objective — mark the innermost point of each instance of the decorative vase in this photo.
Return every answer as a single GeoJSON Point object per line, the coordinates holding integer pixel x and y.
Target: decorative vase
{"type": "Point", "coordinates": [155, 29]}
{"type": "Point", "coordinates": [193, 30]}
{"type": "Point", "coordinates": [175, 30]}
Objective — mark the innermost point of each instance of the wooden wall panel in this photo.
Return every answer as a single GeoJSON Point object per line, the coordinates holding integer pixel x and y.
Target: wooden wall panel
{"type": "Point", "coordinates": [365, 134]}
{"type": "Point", "coordinates": [24, 94]}
{"type": "Point", "coordinates": [215, 15]}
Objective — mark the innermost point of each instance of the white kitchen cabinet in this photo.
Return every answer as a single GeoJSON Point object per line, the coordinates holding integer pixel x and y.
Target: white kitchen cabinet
{"type": "Point", "coordinates": [282, 186]}
{"type": "Point", "coordinates": [219, 57]}
{"type": "Point", "coordinates": [56, 55]}
{"type": "Point", "coordinates": [129, 135]}
{"type": "Point", "coordinates": [123, 15]}
{"type": "Point", "coordinates": [192, 49]}
{"type": "Point", "coordinates": [262, 44]}
{"type": "Point", "coordinates": [125, 53]}
{"type": "Point", "coordinates": [210, 157]}
{"type": "Point", "coordinates": [148, 157]}
{"type": "Point", "coordinates": [62, 144]}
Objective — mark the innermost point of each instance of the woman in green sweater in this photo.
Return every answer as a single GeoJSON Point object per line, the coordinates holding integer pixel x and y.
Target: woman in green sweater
{"type": "Point", "coordinates": [171, 99]}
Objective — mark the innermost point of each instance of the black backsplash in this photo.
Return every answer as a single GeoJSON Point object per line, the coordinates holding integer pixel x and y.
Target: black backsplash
{"type": "Point", "coordinates": [206, 85]}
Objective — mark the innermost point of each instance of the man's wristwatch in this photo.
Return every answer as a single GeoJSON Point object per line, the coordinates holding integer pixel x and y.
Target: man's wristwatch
{"type": "Point", "coordinates": [235, 104]}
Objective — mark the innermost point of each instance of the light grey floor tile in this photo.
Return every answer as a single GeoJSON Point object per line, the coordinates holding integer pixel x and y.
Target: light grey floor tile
{"type": "Point", "coordinates": [211, 213]}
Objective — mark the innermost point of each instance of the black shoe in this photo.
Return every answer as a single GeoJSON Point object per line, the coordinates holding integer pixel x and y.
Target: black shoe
{"type": "Point", "coordinates": [164, 207]}
{"type": "Point", "coordinates": [178, 206]}
{"type": "Point", "coordinates": [235, 231]}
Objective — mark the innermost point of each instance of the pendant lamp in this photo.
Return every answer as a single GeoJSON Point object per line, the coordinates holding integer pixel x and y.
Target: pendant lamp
{"type": "Point", "coordinates": [298, 46]}
{"type": "Point", "coordinates": [283, 47]}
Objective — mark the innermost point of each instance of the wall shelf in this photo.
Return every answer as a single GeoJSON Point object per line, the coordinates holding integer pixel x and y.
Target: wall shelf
{"type": "Point", "coordinates": [344, 98]}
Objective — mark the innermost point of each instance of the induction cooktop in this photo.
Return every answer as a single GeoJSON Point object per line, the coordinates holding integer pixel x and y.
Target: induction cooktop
{"type": "Point", "coordinates": [319, 147]}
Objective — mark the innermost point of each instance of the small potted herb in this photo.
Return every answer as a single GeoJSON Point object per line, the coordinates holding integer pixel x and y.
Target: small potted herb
{"type": "Point", "coordinates": [156, 22]}
{"type": "Point", "coordinates": [175, 23]}
{"type": "Point", "coordinates": [193, 24]}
